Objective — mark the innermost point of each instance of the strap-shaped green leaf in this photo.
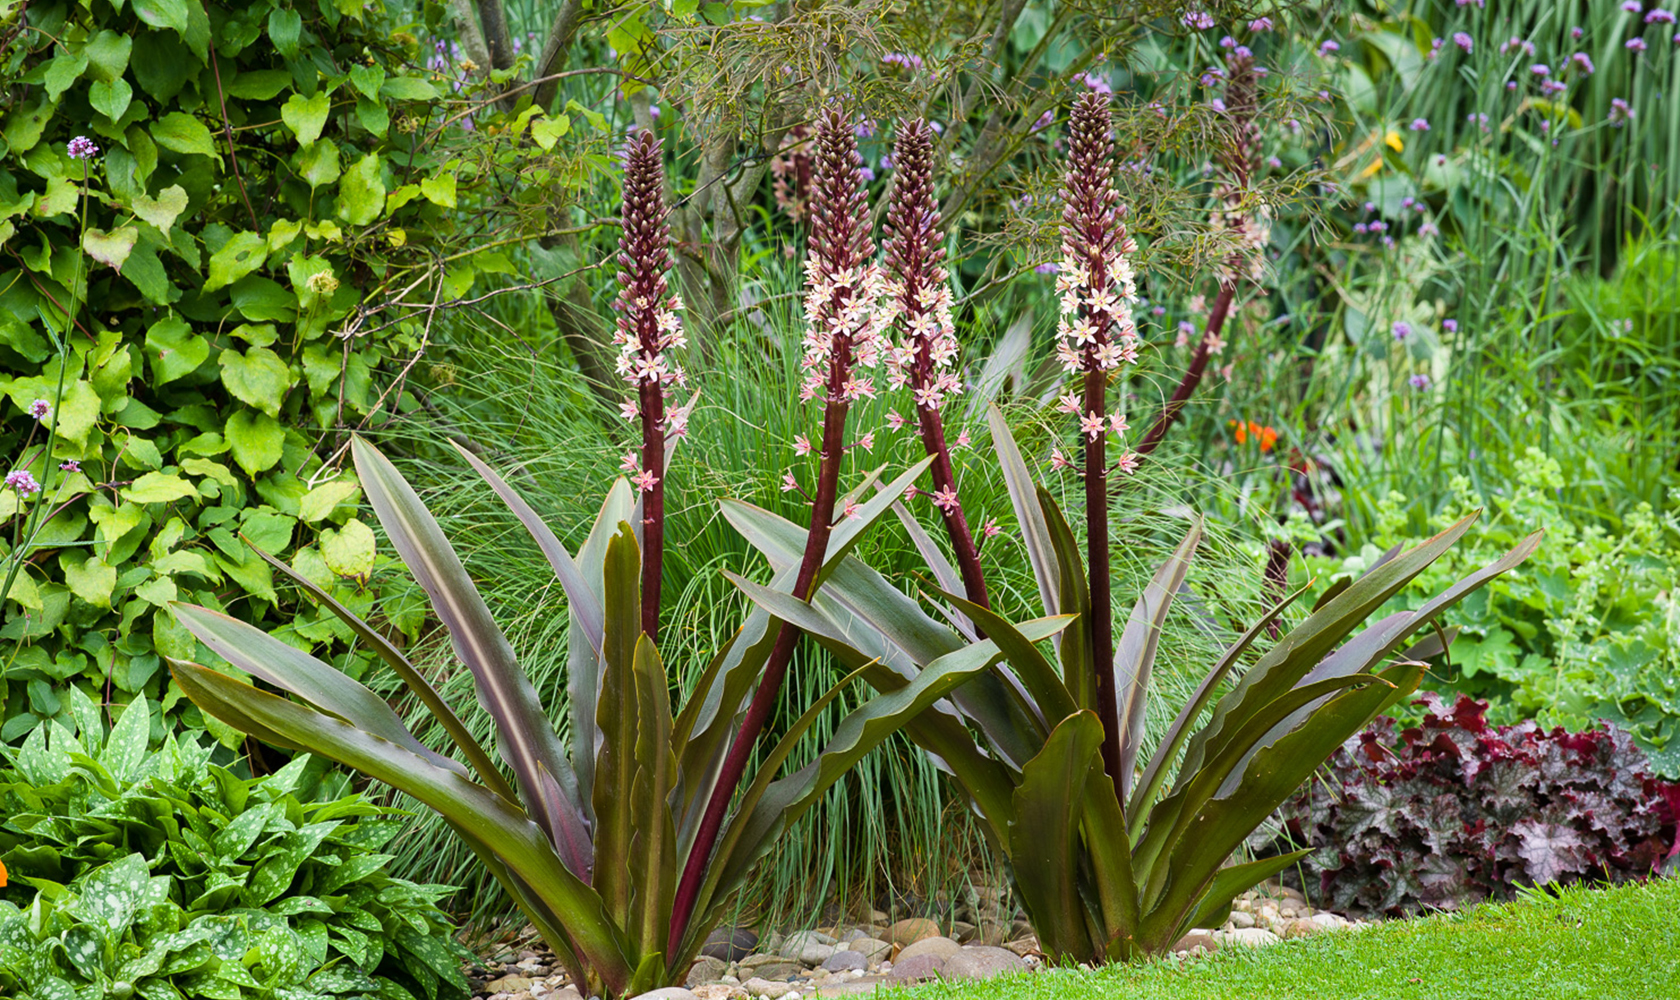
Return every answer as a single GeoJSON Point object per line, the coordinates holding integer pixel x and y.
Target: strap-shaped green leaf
{"type": "Point", "coordinates": [1043, 684]}
{"type": "Point", "coordinates": [653, 845]}
{"type": "Point", "coordinates": [1112, 875]}
{"type": "Point", "coordinates": [583, 660]}
{"type": "Point", "coordinates": [524, 736]}
{"type": "Point", "coordinates": [495, 822]}
{"type": "Point", "coordinates": [291, 669]}
{"type": "Point", "coordinates": [1143, 797]}
{"type": "Point", "coordinates": [857, 734]}
{"type": "Point", "coordinates": [1043, 837]}
{"type": "Point", "coordinates": [1299, 651]}
{"type": "Point", "coordinates": [416, 683]}
{"type": "Point", "coordinates": [1134, 655]}
{"type": "Point", "coordinates": [1029, 516]}
{"type": "Point", "coordinates": [1169, 820]}
{"type": "Point", "coordinates": [1214, 908]}
{"type": "Point", "coordinates": [1218, 828]}
{"type": "Point", "coordinates": [943, 572]}
{"type": "Point", "coordinates": [1078, 670]}
{"type": "Point", "coordinates": [617, 717]}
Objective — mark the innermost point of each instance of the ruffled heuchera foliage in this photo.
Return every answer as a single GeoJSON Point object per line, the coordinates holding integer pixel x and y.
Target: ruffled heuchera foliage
{"type": "Point", "coordinates": [1457, 811]}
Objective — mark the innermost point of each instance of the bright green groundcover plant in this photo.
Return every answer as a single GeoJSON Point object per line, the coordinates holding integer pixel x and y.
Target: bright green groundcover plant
{"type": "Point", "coordinates": [163, 875]}
{"type": "Point", "coordinates": [591, 843]}
{"type": "Point", "coordinates": [1117, 869]}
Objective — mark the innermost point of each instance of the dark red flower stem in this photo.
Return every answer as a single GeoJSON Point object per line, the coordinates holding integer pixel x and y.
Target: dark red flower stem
{"type": "Point", "coordinates": [653, 505]}
{"type": "Point", "coordinates": [956, 523]}
{"type": "Point", "coordinates": [839, 244]}
{"type": "Point", "coordinates": [1092, 228]}
{"type": "Point", "coordinates": [1097, 559]}
{"type": "Point", "coordinates": [1192, 375]}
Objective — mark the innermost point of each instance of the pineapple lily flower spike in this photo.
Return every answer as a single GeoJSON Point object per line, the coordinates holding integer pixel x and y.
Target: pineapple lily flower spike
{"type": "Point", "coordinates": [924, 361]}
{"type": "Point", "coordinates": [846, 312]}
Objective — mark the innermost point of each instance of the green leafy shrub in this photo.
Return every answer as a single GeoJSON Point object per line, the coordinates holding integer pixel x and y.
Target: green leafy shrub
{"type": "Point", "coordinates": [1589, 631]}
{"type": "Point", "coordinates": [167, 875]}
{"type": "Point", "coordinates": [216, 289]}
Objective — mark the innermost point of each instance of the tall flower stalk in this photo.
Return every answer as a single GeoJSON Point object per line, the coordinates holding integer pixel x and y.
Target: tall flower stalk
{"type": "Point", "coordinates": [923, 361]}
{"type": "Point", "coordinates": [845, 318]}
{"type": "Point", "coordinates": [1239, 160]}
{"type": "Point", "coordinates": [1097, 333]}
{"type": "Point", "coordinates": [648, 332]}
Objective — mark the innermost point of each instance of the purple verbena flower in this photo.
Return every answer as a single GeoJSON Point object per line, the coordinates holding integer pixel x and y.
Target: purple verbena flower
{"type": "Point", "coordinates": [1260, 24]}
{"type": "Point", "coordinates": [1620, 112]}
{"type": "Point", "coordinates": [1540, 69]}
{"type": "Point", "coordinates": [1419, 381]}
{"type": "Point", "coordinates": [39, 409]}
{"type": "Point", "coordinates": [1420, 125]}
{"type": "Point", "coordinates": [1464, 41]}
{"type": "Point", "coordinates": [23, 481]}
{"type": "Point", "coordinates": [1200, 20]}
{"type": "Point", "coordinates": [1328, 46]}
{"type": "Point", "coordinates": [1401, 330]}
{"type": "Point", "coordinates": [70, 466]}
{"type": "Point", "coordinates": [1450, 325]}
{"type": "Point", "coordinates": [1632, 6]}
{"type": "Point", "coordinates": [82, 148]}
{"type": "Point", "coordinates": [1636, 45]}
{"type": "Point", "coordinates": [1659, 16]}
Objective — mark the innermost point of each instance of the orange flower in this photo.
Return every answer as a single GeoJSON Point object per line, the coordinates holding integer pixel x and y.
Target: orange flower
{"type": "Point", "coordinates": [2, 874]}
{"type": "Point", "coordinates": [1264, 436]}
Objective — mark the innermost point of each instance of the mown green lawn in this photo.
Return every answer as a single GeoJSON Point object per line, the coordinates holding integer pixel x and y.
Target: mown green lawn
{"type": "Point", "coordinates": [1613, 944]}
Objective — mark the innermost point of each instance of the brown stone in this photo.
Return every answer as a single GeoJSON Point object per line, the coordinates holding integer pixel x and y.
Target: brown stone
{"type": "Point", "coordinates": [1197, 940]}
{"type": "Point", "coordinates": [943, 947]}
{"type": "Point", "coordinates": [1024, 946]}
{"type": "Point", "coordinates": [982, 962]}
{"type": "Point", "coordinates": [917, 968]}
{"type": "Point", "coordinates": [508, 984]}
{"type": "Point", "coordinates": [911, 930]}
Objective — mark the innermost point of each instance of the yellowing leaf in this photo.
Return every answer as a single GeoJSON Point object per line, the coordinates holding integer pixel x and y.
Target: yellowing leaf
{"type": "Point", "coordinates": [361, 192]}
{"type": "Point", "coordinates": [110, 248]}
{"type": "Point", "coordinates": [1394, 142]}
{"type": "Point", "coordinates": [90, 579]}
{"type": "Point", "coordinates": [349, 550]}
{"type": "Point", "coordinates": [439, 190]}
{"type": "Point", "coordinates": [320, 502]}
{"type": "Point", "coordinates": [163, 210]}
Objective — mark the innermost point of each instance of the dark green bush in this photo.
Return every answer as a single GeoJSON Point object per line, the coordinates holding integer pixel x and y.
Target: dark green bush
{"type": "Point", "coordinates": [166, 875]}
{"type": "Point", "coordinates": [242, 272]}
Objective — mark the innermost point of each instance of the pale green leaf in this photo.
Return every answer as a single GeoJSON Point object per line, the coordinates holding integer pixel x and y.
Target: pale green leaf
{"type": "Point", "coordinates": [256, 440]}
{"type": "Point", "coordinates": [182, 133]}
{"type": "Point", "coordinates": [361, 191]}
{"type": "Point", "coordinates": [256, 378]}
{"type": "Point", "coordinates": [306, 116]}
{"type": "Point", "coordinates": [157, 487]}
{"type": "Point", "coordinates": [163, 210]}
{"type": "Point", "coordinates": [349, 550]}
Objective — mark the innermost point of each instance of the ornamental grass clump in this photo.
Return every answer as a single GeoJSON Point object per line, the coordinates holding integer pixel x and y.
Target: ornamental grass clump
{"type": "Point", "coordinates": [623, 845]}
{"type": "Point", "coordinates": [1112, 855]}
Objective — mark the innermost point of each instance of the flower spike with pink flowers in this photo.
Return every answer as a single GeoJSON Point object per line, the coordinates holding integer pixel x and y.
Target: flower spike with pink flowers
{"type": "Point", "coordinates": [924, 360]}
{"type": "Point", "coordinates": [847, 309]}
{"type": "Point", "coordinates": [648, 333]}
{"type": "Point", "coordinates": [1098, 287]}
